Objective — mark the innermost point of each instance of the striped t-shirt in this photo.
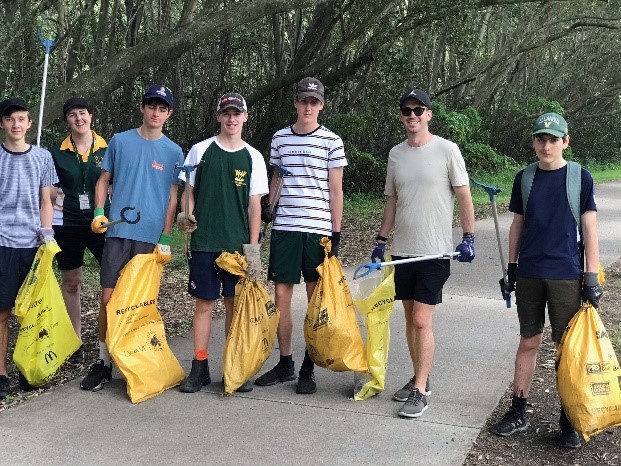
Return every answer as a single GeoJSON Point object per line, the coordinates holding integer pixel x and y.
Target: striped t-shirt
{"type": "Point", "coordinates": [22, 175]}
{"type": "Point", "coordinates": [305, 198]}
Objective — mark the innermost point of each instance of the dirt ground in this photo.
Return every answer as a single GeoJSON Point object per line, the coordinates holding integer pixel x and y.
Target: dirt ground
{"type": "Point", "coordinates": [537, 446]}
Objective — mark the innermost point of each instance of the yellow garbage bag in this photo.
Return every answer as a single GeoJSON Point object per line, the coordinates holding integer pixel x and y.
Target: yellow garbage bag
{"type": "Point", "coordinates": [46, 336]}
{"type": "Point", "coordinates": [588, 376]}
{"type": "Point", "coordinates": [331, 330]}
{"type": "Point", "coordinates": [136, 338]}
{"type": "Point", "coordinates": [253, 326]}
{"type": "Point", "coordinates": [374, 296]}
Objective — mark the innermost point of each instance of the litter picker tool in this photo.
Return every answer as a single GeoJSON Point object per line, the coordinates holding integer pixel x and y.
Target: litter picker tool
{"type": "Point", "coordinates": [281, 172]}
{"type": "Point", "coordinates": [47, 46]}
{"type": "Point", "coordinates": [123, 218]}
{"type": "Point", "coordinates": [378, 265]}
{"type": "Point", "coordinates": [187, 169]}
{"type": "Point", "coordinates": [492, 192]}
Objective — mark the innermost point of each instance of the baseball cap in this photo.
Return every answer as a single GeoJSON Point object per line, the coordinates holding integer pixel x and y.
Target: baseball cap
{"type": "Point", "coordinates": [551, 123]}
{"type": "Point", "coordinates": [232, 99]}
{"type": "Point", "coordinates": [309, 87]}
{"type": "Point", "coordinates": [416, 94]}
{"type": "Point", "coordinates": [159, 91]}
{"type": "Point", "coordinates": [75, 102]}
{"type": "Point", "coordinates": [12, 103]}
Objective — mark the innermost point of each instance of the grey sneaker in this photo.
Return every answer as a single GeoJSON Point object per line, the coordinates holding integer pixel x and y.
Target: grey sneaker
{"type": "Point", "coordinates": [403, 393]}
{"type": "Point", "coordinates": [415, 406]}
{"type": "Point", "coordinates": [512, 422]}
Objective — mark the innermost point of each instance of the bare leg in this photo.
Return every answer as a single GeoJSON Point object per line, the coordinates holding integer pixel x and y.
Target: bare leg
{"type": "Point", "coordinates": [4, 339]}
{"type": "Point", "coordinates": [421, 341]}
{"type": "Point", "coordinates": [106, 294]}
{"type": "Point", "coordinates": [525, 361]}
{"type": "Point", "coordinates": [202, 323]}
{"type": "Point", "coordinates": [283, 293]}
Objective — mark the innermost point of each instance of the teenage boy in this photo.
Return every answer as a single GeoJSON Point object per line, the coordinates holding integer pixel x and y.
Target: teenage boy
{"type": "Point", "coordinates": [143, 164]}
{"type": "Point", "coordinates": [310, 207]}
{"type": "Point", "coordinates": [424, 176]}
{"type": "Point", "coordinates": [545, 266]}
{"type": "Point", "coordinates": [224, 194]}
{"type": "Point", "coordinates": [78, 164]}
{"type": "Point", "coordinates": [26, 178]}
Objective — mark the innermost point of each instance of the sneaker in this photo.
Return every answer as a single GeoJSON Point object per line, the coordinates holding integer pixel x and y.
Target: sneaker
{"type": "Point", "coordinates": [568, 436]}
{"type": "Point", "coordinates": [306, 383]}
{"type": "Point", "coordinates": [77, 358]}
{"type": "Point", "coordinates": [25, 386]}
{"type": "Point", "coordinates": [511, 422]}
{"type": "Point", "coordinates": [5, 387]}
{"type": "Point", "coordinates": [97, 376]}
{"type": "Point", "coordinates": [415, 405]}
{"type": "Point", "coordinates": [403, 394]}
{"type": "Point", "coordinates": [279, 373]}
{"type": "Point", "coordinates": [198, 378]}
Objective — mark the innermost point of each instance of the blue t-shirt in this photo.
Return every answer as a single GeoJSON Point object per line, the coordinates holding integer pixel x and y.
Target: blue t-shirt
{"type": "Point", "coordinates": [143, 172]}
{"type": "Point", "coordinates": [549, 245]}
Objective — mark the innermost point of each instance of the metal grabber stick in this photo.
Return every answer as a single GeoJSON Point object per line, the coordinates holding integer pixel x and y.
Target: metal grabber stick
{"type": "Point", "coordinates": [47, 45]}
{"type": "Point", "coordinates": [492, 192]}
{"type": "Point", "coordinates": [378, 265]}
{"type": "Point", "coordinates": [187, 169]}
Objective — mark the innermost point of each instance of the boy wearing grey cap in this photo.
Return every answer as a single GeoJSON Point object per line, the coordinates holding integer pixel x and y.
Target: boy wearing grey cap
{"type": "Point", "coordinates": [546, 266]}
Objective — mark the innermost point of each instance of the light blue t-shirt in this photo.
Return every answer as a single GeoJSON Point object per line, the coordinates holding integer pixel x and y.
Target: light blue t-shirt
{"type": "Point", "coordinates": [22, 175]}
{"type": "Point", "coordinates": [143, 172]}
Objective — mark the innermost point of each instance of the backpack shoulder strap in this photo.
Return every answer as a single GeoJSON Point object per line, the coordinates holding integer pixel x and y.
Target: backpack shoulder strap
{"type": "Point", "coordinates": [527, 183]}
{"type": "Point", "coordinates": [574, 187]}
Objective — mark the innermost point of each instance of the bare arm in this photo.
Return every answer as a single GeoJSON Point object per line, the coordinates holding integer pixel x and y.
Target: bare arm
{"type": "Point", "coordinates": [46, 210]}
{"type": "Point", "coordinates": [172, 208]}
{"type": "Point", "coordinates": [388, 220]}
{"type": "Point", "coordinates": [335, 182]}
{"type": "Point", "coordinates": [187, 199]}
{"type": "Point", "coordinates": [101, 188]}
{"type": "Point", "coordinates": [466, 209]}
{"type": "Point", "coordinates": [515, 237]}
{"type": "Point", "coordinates": [254, 218]}
{"type": "Point", "coordinates": [590, 239]}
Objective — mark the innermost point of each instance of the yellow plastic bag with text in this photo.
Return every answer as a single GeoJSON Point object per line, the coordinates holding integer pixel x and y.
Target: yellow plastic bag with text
{"type": "Point", "coordinates": [46, 336]}
{"type": "Point", "coordinates": [588, 376]}
{"type": "Point", "coordinates": [253, 326]}
{"type": "Point", "coordinates": [136, 338]}
{"type": "Point", "coordinates": [374, 296]}
{"type": "Point", "coordinates": [331, 330]}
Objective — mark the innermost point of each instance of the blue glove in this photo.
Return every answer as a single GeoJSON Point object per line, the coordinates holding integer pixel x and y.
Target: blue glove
{"type": "Point", "coordinates": [380, 248]}
{"type": "Point", "coordinates": [591, 291]}
{"type": "Point", "coordinates": [466, 248]}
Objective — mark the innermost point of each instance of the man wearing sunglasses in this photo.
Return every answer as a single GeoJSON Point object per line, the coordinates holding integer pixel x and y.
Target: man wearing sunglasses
{"type": "Point", "coordinates": [425, 174]}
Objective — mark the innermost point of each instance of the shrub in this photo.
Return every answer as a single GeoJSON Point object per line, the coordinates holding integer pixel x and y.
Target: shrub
{"type": "Point", "coordinates": [364, 174]}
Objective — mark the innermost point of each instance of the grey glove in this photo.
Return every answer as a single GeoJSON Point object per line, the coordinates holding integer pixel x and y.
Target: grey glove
{"type": "Point", "coordinates": [591, 291]}
{"type": "Point", "coordinates": [186, 222]}
{"type": "Point", "coordinates": [252, 252]}
{"type": "Point", "coordinates": [46, 235]}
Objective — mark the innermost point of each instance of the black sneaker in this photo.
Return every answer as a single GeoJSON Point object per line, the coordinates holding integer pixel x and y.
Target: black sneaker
{"type": "Point", "coordinates": [510, 423]}
{"type": "Point", "coordinates": [279, 373]}
{"type": "Point", "coordinates": [5, 387]}
{"type": "Point", "coordinates": [244, 388]}
{"type": "Point", "coordinates": [198, 378]}
{"type": "Point", "coordinates": [306, 383]}
{"type": "Point", "coordinates": [568, 436]}
{"type": "Point", "coordinates": [97, 376]}
{"type": "Point", "coordinates": [25, 386]}
{"type": "Point", "coordinates": [77, 358]}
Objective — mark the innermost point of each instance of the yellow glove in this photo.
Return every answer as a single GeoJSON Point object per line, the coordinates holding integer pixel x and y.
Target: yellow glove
{"type": "Point", "coordinates": [186, 222]}
{"type": "Point", "coordinates": [99, 220]}
{"type": "Point", "coordinates": [162, 249]}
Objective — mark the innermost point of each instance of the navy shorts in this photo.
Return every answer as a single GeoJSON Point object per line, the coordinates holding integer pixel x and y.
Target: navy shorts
{"type": "Point", "coordinates": [207, 279]}
{"type": "Point", "coordinates": [421, 281]}
{"type": "Point", "coordinates": [116, 254]}
{"type": "Point", "coordinates": [15, 264]}
{"type": "Point", "coordinates": [73, 241]}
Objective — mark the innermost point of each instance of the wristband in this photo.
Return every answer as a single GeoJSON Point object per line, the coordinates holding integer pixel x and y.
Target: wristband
{"type": "Point", "coordinates": [468, 234]}
{"type": "Point", "coordinates": [98, 212]}
{"type": "Point", "coordinates": [164, 239]}
{"type": "Point", "coordinates": [381, 239]}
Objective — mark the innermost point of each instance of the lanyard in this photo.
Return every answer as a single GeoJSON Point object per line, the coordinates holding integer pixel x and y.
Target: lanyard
{"type": "Point", "coordinates": [83, 165]}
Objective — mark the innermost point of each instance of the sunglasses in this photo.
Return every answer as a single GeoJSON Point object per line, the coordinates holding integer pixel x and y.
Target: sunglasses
{"type": "Point", "coordinates": [407, 111]}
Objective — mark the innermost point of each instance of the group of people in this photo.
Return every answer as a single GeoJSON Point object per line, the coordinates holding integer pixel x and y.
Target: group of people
{"type": "Point", "coordinates": [553, 256]}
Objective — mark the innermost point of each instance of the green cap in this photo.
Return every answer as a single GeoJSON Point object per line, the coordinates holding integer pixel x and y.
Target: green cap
{"type": "Point", "coordinates": [551, 123]}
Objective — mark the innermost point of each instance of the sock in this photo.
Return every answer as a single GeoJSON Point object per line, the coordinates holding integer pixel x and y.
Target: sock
{"type": "Point", "coordinates": [104, 354]}
{"type": "Point", "coordinates": [518, 403]}
{"type": "Point", "coordinates": [286, 361]}
{"type": "Point", "coordinates": [201, 354]}
{"type": "Point", "coordinates": [307, 365]}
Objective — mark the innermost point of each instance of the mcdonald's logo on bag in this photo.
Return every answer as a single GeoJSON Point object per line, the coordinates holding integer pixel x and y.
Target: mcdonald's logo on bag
{"type": "Point", "coordinates": [50, 356]}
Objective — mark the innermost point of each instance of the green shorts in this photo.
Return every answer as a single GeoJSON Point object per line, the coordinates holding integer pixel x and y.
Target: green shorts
{"type": "Point", "coordinates": [292, 253]}
{"type": "Point", "coordinates": [562, 297]}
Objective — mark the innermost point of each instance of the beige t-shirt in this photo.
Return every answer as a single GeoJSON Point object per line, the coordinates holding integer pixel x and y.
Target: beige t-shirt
{"type": "Point", "coordinates": [422, 178]}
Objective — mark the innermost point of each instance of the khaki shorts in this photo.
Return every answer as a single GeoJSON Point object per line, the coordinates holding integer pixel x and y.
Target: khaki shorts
{"type": "Point", "coordinates": [116, 254]}
{"type": "Point", "coordinates": [292, 253]}
{"type": "Point", "coordinates": [563, 299]}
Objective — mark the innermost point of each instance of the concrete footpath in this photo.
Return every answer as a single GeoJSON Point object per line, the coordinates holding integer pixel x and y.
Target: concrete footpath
{"type": "Point", "coordinates": [476, 338]}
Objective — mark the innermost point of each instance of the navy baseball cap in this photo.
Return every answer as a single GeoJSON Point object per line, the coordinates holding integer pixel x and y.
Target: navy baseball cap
{"type": "Point", "coordinates": [12, 103]}
{"type": "Point", "coordinates": [159, 91]}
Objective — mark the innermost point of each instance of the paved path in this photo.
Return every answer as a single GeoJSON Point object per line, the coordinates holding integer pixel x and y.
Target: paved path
{"type": "Point", "coordinates": [476, 338]}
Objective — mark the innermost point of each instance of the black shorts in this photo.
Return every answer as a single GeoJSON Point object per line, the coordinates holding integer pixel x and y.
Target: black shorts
{"type": "Point", "coordinates": [73, 241]}
{"type": "Point", "coordinates": [421, 281]}
{"type": "Point", "coordinates": [15, 264]}
{"type": "Point", "coordinates": [206, 278]}
{"type": "Point", "coordinates": [116, 254]}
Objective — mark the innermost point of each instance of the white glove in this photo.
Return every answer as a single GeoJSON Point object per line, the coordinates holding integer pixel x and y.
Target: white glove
{"type": "Point", "coordinates": [186, 223]}
{"type": "Point", "coordinates": [252, 252]}
{"type": "Point", "coordinates": [46, 235]}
